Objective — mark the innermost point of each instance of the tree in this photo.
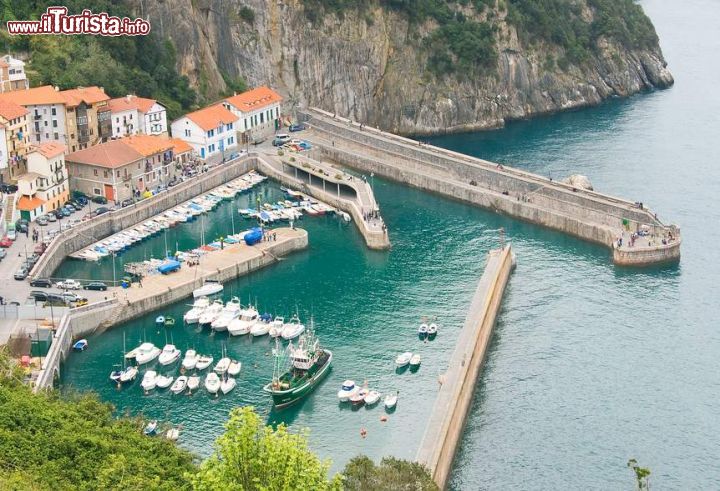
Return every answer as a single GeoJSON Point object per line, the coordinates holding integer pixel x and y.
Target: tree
{"type": "Point", "coordinates": [252, 456]}
{"type": "Point", "coordinates": [642, 474]}
{"type": "Point", "coordinates": [361, 474]}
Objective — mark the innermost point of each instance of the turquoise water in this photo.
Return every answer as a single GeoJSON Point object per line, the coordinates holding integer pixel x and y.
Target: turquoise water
{"type": "Point", "coordinates": [590, 364]}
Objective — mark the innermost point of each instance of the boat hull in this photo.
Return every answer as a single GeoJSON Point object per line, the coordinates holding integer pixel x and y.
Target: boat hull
{"type": "Point", "coordinates": [285, 398]}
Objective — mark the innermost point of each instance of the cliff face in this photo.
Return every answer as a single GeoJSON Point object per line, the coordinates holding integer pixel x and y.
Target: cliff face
{"type": "Point", "coordinates": [370, 68]}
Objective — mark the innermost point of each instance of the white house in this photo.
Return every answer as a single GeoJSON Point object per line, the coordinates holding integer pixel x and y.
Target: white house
{"type": "Point", "coordinates": [132, 115]}
{"type": "Point", "coordinates": [210, 131]}
{"type": "Point", "coordinates": [258, 110]}
{"type": "Point", "coordinates": [46, 105]}
{"type": "Point", "coordinates": [12, 74]}
{"type": "Point", "coordinates": [45, 186]}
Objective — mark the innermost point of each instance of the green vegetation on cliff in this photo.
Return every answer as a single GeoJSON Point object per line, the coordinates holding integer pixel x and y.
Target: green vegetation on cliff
{"type": "Point", "coordinates": [462, 33]}
{"type": "Point", "coordinates": [143, 65]}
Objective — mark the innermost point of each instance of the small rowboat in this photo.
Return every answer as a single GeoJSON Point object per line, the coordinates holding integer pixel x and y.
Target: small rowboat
{"type": "Point", "coordinates": [80, 345]}
{"type": "Point", "coordinates": [169, 321]}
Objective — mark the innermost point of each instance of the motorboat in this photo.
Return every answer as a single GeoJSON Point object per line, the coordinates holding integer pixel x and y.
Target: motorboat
{"type": "Point", "coordinates": [391, 400]}
{"type": "Point", "coordinates": [115, 375]}
{"type": "Point", "coordinates": [229, 313]}
{"type": "Point", "coordinates": [276, 327]}
{"type": "Point", "coordinates": [170, 354]}
{"type": "Point", "coordinates": [234, 367]}
{"type": "Point", "coordinates": [372, 398]}
{"type": "Point", "coordinates": [347, 390]}
{"type": "Point", "coordinates": [358, 399]}
{"type": "Point", "coordinates": [432, 329]}
{"type": "Point", "coordinates": [210, 287]}
{"type": "Point", "coordinates": [211, 313]}
{"type": "Point", "coordinates": [80, 345]}
{"type": "Point", "coordinates": [415, 361]}
{"type": "Point", "coordinates": [244, 323]}
{"type": "Point", "coordinates": [160, 320]}
{"type": "Point", "coordinates": [262, 326]}
{"type": "Point", "coordinates": [149, 381]}
{"type": "Point", "coordinates": [203, 362]}
{"type": "Point", "coordinates": [293, 329]}
{"type": "Point", "coordinates": [190, 360]}
{"type": "Point", "coordinates": [212, 383]}
{"type": "Point", "coordinates": [403, 359]}
{"type": "Point", "coordinates": [128, 374]}
{"type": "Point", "coordinates": [169, 321]}
{"type": "Point", "coordinates": [179, 385]}
{"type": "Point", "coordinates": [423, 330]}
{"type": "Point", "coordinates": [198, 307]}
{"type": "Point", "coordinates": [151, 428]}
{"type": "Point", "coordinates": [146, 353]}
{"type": "Point", "coordinates": [222, 366]}
{"type": "Point", "coordinates": [164, 382]}
{"type": "Point", "coordinates": [193, 382]}
{"type": "Point", "coordinates": [227, 385]}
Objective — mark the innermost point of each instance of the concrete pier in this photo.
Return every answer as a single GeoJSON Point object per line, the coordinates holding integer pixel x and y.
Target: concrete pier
{"type": "Point", "coordinates": [590, 215]}
{"type": "Point", "coordinates": [158, 290]}
{"type": "Point", "coordinates": [446, 422]}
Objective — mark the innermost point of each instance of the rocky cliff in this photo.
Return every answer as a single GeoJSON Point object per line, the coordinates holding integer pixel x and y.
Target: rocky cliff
{"type": "Point", "coordinates": [372, 66]}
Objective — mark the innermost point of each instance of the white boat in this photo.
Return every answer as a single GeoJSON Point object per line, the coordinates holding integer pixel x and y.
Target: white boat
{"type": "Point", "coordinates": [358, 399]}
{"type": "Point", "coordinates": [234, 367]}
{"type": "Point", "coordinates": [276, 327]}
{"type": "Point", "coordinates": [347, 390]}
{"type": "Point", "coordinates": [170, 354]}
{"type": "Point", "coordinates": [193, 383]}
{"type": "Point", "coordinates": [391, 400]}
{"type": "Point", "coordinates": [222, 366]}
{"type": "Point", "coordinates": [211, 313]}
{"type": "Point", "coordinates": [372, 397]}
{"type": "Point", "coordinates": [345, 216]}
{"type": "Point", "coordinates": [432, 329]}
{"type": "Point", "coordinates": [190, 360]}
{"type": "Point", "coordinates": [209, 288]}
{"type": "Point", "coordinates": [227, 385]}
{"type": "Point", "coordinates": [244, 323]}
{"type": "Point", "coordinates": [415, 361]}
{"type": "Point", "coordinates": [423, 329]}
{"type": "Point", "coordinates": [128, 374]}
{"type": "Point", "coordinates": [203, 362]}
{"type": "Point", "coordinates": [229, 313]}
{"type": "Point", "coordinates": [260, 328]}
{"type": "Point", "coordinates": [293, 329]}
{"type": "Point", "coordinates": [179, 385]}
{"type": "Point", "coordinates": [146, 353]}
{"type": "Point", "coordinates": [199, 306]}
{"type": "Point", "coordinates": [212, 383]}
{"type": "Point", "coordinates": [403, 359]}
{"type": "Point", "coordinates": [149, 381]}
{"type": "Point", "coordinates": [164, 382]}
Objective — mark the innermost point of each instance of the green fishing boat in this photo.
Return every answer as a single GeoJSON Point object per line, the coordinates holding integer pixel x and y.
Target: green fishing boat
{"type": "Point", "coordinates": [298, 369]}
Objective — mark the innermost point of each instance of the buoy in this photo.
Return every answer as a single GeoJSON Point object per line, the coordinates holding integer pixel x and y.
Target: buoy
{"type": "Point", "coordinates": [383, 418]}
{"type": "Point", "coordinates": [363, 432]}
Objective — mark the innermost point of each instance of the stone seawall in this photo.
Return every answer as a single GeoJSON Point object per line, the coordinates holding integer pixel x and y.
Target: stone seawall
{"type": "Point", "coordinates": [447, 420]}
{"type": "Point", "coordinates": [87, 233]}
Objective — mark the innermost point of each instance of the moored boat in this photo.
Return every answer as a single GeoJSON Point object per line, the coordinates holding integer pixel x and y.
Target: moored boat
{"type": "Point", "coordinates": [276, 327]}
{"type": "Point", "coordinates": [151, 428]}
{"type": "Point", "coordinates": [231, 310]}
{"type": "Point", "coordinates": [193, 383]}
{"type": "Point", "coordinates": [212, 383]}
{"type": "Point", "coordinates": [234, 367]}
{"type": "Point", "coordinates": [211, 313]}
{"type": "Point", "coordinates": [222, 366]}
{"type": "Point", "coordinates": [347, 390]}
{"type": "Point", "coordinates": [262, 326]}
{"type": "Point", "coordinates": [179, 385]}
{"type": "Point", "coordinates": [415, 361]}
{"type": "Point", "coordinates": [403, 359]}
{"type": "Point", "coordinates": [80, 345]}
{"type": "Point", "coordinates": [210, 287]}
{"type": "Point", "coordinates": [163, 382]}
{"type": "Point", "coordinates": [149, 381]}
{"type": "Point", "coordinates": [227, 385]}
{"type": "Point", "coordinates": [170, 354]}
{"type": "Point", "coordinates": [203, 362]}
{"type": "Point", "coordinates": [391, 400]}
{"type": "Point", "coordinates": [146, 353]}
{"type": "Point", "coordinates": [190, 360]}
{"type": "Point", "coordinates": [372, 398]}
{"type": "Point", "coordinates": [293, 328]}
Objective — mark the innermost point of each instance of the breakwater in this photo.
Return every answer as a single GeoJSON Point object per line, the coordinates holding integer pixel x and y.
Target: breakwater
{"type": "Point", "coordinates": [158, 291]}
{"type": "Point", "coordinates": [447, 419]}
{"type": "Point", "coordinates": [586, 214]}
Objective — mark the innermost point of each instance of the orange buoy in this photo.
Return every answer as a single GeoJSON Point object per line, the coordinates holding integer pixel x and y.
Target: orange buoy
{"type": "Point", "coordinates": [383, 418]}
{"type": "Point", "coordinates": [363, 432]}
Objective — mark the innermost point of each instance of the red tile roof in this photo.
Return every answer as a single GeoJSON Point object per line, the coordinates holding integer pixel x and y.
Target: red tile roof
{"type": "Point", "coordinates": [147, 145]}
{"type": "Point", "coordinates": [130, 102]}
{"type": "Point", "coordinates": [254, 99]}
{"type": "Point", "coordinates": [180, 146]}
{"type": "Point", "coordinates": [89, 95]}
{"type": "Point", "coordinates": [51, 149]}
{"type": "Point", "coordinates": [9, 110]}
{"type": "Point", "coordinates": [117, 153]}
{"type": "Point", "coordinates": [26, 203]}
{"type": "Point", "coordinates": [37, 95]}
{"type": "Point", "coordinates": [210, 117]}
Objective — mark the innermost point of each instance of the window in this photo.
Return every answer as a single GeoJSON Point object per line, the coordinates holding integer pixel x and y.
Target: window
{"type": "Point", "coordinates": [187, 132]}
{"type": "Point", "coordinates": [277, 112]}
{"type": "Point", "coordinates": [230, 140]}
{"type": "Point", "coordinates": [96, 191]}
{"type": "Point", "coordinates": [230, 126]}
{"type": "Point", "coordinates": [246, 123]}
{"type": "Point", "coordinates": [53, 111]}
{"type": "Point", "coordinates": [211, 133]}
{"type": "Point", "coordinates": [45, 123]}
{"type": "Point", "coordinates": [117, 120]}
{"type": "Point", "coordinates": [56, 136]}
{"type": "Point", "coordinates": [118, 173]}
{"type": "Point", "coordinates": [95, 171]}
{"type": "Point", "coordinates": [220, 129]}
{"type": "Point", "coordinates": [54, 123]}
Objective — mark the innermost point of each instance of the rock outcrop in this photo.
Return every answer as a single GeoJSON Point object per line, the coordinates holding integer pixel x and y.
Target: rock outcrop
{"type": "Point", "coordinates": [370, 68]}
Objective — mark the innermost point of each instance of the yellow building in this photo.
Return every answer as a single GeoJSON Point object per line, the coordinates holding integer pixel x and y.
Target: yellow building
{"type": "Point", "coordinates": [14, 141]}
{"type": "Point", "coordinates": [88, 120]}
{"type": "Point", "coordinates": [45, 186]}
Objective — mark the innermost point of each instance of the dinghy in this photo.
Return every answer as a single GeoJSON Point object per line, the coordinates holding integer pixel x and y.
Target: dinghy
{"type": "Point", "coordinates": [403, 359]}
{"type": "Point", "coordinates": [151, 428]}
{"type": "Point", "coordinates": [227, 385]}
{"type": "Point", "coordinates": [203, 362]}
{"type": "Point", "coordinates": [372, 398]}
{"type": "Point", "coordinates": [149, 381]}
{"type": "Point", "coordinates": [391, 400]}
{"type": "Point", "coordinates": [179, 385]}
{"type": "Point", "coordinates": [80, 345]}
{"type": "Point", "coordinates": [234, 367]}
{"type": "Point", "coordinates": [163, 382]}
{"type": "Point", "coordinates": [190, 360]}
{"type": "Point", "coordinates": [193, 383]}
{"type": "Point", "coordinates": [415, 361]}
{"type": "Point", "coordinates": [212, 383]}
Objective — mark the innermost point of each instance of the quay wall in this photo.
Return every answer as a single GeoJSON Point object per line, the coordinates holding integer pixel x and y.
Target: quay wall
{"type": "Point", "coordinates": [639, 256]}
{"type": "Point", "coordinates": [373, 239]}
{"type": "Point", "coordinates": [86, 233]}
{"type": "Point", "coordinates": [86, 320]}
{"type": "Point", "coordinates": [447, 419]}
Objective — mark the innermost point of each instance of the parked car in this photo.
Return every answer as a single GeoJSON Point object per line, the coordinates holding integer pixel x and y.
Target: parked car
{"type": "Point", "coordinates": [101, 200]}
{"type": "Point", "coordinates": [39, 296]}
{"type": "Point", "coordinates": [21, 225]}
{"type": "Point", "coordinates": [8, 188]}
{"type": "Point", "coordinates": [82, 200]}
{"type": "Point", "coordinates": [72, 297]}
{"type": "Point", "coordinates": [41, 283]}
{"type": "Point", "coordinates": [55, 299]}
{"type": "Point", "coordinates": [51, 217]}
{"type": "Point", "coordinates": [21, 274]}
{"type": "Point", "coordinates": [126, 202]}
{"type": "Point", "coordinates": [3, 253]}
{"type": "Point", "coordinates": [41, 220]}
{"type": "Point", "coordinates": [39, 248]}
{"type": "Point", "coordinates": [280, 139]}
{"type": "Point", "coordinates": [69, 285]}
{"type": "Point", "coordinates": [101, 210]}
{"type": "Point", "coordinates": [297, 127]}
{"type": "Point", "coordinates": [11, 234]}
{"type": "Point", "coordinates": [96, 285]}
{"type": "Point", "coordinates": [5, 242]}
{"type": "Point", "coordinates": [64, 212]}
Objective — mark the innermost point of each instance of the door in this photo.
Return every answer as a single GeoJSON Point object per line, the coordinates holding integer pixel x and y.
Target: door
{"type": "Point", "coordinates": [109, 192]}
